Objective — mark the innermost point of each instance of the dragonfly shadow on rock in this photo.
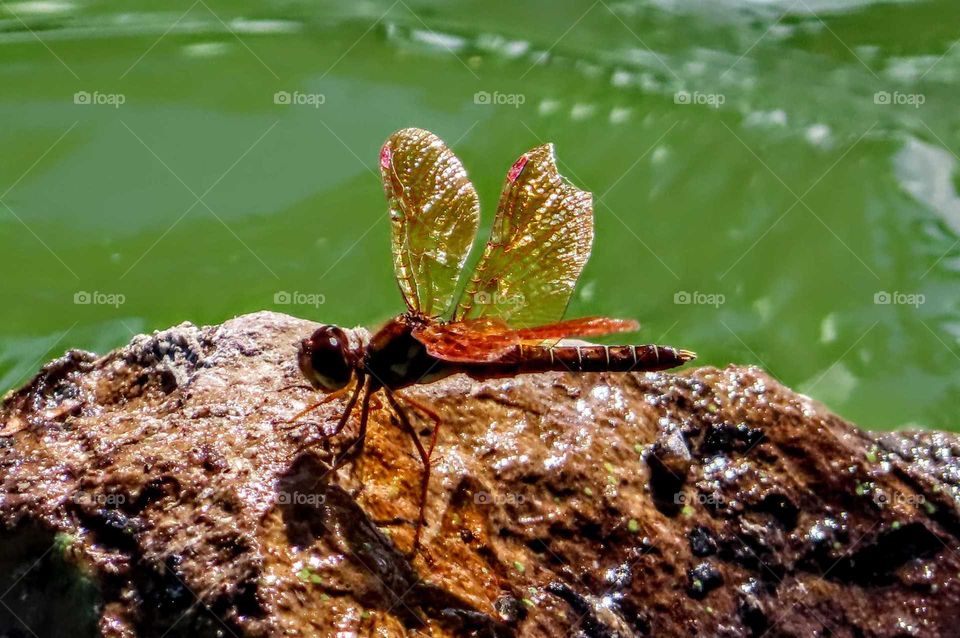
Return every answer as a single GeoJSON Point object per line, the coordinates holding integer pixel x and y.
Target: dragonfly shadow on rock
{"type": "Point", "coordinates": [321, 516]}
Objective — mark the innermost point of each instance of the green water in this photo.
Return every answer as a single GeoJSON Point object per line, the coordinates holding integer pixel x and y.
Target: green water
{"type": "Point", "coordinates": [695, 195]}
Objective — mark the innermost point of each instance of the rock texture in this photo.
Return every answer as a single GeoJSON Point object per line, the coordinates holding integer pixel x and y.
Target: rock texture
{"type": "Point", "coordinates": [160, 491]}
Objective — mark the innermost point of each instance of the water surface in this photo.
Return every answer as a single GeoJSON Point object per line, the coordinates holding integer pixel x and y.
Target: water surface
{"type": "Point", "coordinates": [787, 168]}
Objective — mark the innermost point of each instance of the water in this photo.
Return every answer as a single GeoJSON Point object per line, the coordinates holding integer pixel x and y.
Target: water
{"type": "Point", "coordinates": [785, 167]}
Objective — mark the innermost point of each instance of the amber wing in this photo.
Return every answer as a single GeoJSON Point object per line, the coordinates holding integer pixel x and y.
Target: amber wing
{"type": "Point", "coordinates": [473, 340]}
{"type": "Point", "coordinates": [541, 239]}
{"type": "Point", "coordinates": [487, 339]}
{"type": "Point", "coordinates": [434, 214]}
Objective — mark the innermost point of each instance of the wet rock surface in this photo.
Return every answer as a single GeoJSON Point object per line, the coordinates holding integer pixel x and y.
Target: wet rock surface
{"type": "Point", "coordinates": [160, 491]}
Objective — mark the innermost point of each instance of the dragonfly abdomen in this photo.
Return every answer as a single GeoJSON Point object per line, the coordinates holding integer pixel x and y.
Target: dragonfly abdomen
{"type": "Point", "coordinates": [589, 358]}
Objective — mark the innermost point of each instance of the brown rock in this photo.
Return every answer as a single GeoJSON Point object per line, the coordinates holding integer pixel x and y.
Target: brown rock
{"type": "Point", "coordinates": [160, 491]}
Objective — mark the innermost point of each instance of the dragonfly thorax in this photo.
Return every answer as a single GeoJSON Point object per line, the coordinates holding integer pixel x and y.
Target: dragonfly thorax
{"type": "Point", "coordinates": [396, 359]}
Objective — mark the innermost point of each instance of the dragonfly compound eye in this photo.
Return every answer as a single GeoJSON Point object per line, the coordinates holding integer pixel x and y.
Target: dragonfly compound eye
{"type": "Point", "coordinates": [324, 360]}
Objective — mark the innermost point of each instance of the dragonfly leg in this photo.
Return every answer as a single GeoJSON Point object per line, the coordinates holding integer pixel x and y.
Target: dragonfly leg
{"type": "Point", "coordinates": [431, 414]}
{"type": "Point", "coordinates": [424, 458]}
{"type": "Point", "coordinates": [346, 412]}
{"type": "Point", "coordinates": [326, 399]}
{"type": "Point", "coordinates": [425, 409]}
{"type": "Point", "coordinates": [299, 386]}
{"type": "Point", "coordinates": [355, 448]}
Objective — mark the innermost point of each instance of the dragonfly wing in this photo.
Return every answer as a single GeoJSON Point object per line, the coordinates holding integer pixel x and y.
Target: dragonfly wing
{"type": "Point", "coordinates": [551, 334]}
{"type": "Point", "coordinates": [488, 338]}
{"type": "Point", "coordinates": [471, 341]}
{"type": "Point", "coordinates": [541, 239]}
{"type": "Point", "coordinates": [434, 214]}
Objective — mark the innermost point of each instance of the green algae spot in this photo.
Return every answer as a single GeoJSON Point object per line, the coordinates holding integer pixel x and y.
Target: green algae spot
{"type": "Point", "coordinates": [62, 542]}
{"type": "Point", "coordinates": [307, 575]}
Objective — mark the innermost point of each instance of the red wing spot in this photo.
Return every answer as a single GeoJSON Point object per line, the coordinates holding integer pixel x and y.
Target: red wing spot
{"type": "Point", "coordinates": [517, 168]}
{"type": "Point", "coordinates": [385, 156]}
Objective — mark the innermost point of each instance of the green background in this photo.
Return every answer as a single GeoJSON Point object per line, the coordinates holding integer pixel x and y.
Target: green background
{"type": "Point", "coordinates": [738, 150]}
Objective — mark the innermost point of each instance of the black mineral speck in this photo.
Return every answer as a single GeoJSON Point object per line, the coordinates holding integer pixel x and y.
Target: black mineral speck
{"type": "Point", "coordinates": [703, 579]}
{"type": "Point", "coordinates": [751, 609]}
{"type": "Point", "coordinates": [726, 437]}
{"type": "Point", "coordinates": [510, 609]}
{"type": "Point", "coordinates": [702, 542]}
{"type": "Point", "coordinates": [619, 577]}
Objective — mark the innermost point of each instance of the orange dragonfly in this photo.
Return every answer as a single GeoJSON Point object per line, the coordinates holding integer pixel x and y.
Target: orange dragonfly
{"type": "Point", "coordinates": [507, 321]}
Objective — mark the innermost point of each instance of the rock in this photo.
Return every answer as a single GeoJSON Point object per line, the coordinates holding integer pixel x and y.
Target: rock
{"type": "Point", "coordinates": [160, 491]}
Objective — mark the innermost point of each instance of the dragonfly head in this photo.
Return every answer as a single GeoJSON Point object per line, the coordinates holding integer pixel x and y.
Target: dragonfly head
{"type": "Point", "coordinates": [326, 358]}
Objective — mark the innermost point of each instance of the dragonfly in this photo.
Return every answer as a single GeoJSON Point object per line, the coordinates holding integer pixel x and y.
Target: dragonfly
{"type": "Point", "coordinates": [507, 320]}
